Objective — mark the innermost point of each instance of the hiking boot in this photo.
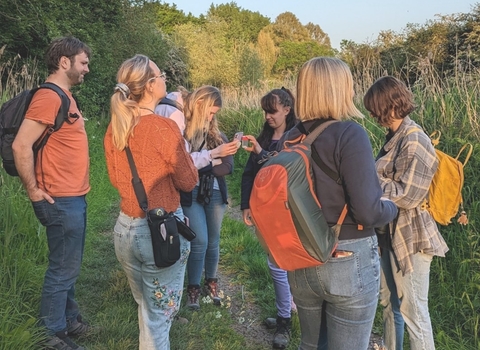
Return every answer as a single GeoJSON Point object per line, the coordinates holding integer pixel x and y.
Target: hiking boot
{"type": "Point", "coordinates": [211, 289]}
{"type": "Point", "coordinates": [78, 327]}
{"type": "Point", "coordinates": [60, 341]}
{"type": "Point", "coordinates": [282, 334]}
{"type": "Point", "coordinates": [193, 294]}
{"type": "Point", "coordinates": [270, 323]}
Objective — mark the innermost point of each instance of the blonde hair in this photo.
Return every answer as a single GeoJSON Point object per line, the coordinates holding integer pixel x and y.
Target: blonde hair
{"type": "Point", "coordinates": [196, 106]}
{"type": "Point", "coordinates": [132, 78]}
{"type": "Point", "coordinates": [325, 90]}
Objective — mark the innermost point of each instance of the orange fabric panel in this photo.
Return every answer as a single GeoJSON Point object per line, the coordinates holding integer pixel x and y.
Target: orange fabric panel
{"type": "Point", "coordinates": [62, 168]}
{"type": "Point", "coordinates": [285, 247]}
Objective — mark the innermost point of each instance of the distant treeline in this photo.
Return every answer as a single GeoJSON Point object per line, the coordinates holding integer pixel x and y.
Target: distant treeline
{"type": "Point", "coordinates": [229, 46]}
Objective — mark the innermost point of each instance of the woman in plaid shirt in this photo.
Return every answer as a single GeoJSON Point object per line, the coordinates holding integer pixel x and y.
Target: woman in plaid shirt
{"type": "Point", "coordinates": [405, 167]}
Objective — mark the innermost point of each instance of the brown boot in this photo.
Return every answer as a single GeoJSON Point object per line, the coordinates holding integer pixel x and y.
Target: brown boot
{"type": "Point", "coordinates": [211, 289]}
{"type": "Point", "coordinates": [193, 296]}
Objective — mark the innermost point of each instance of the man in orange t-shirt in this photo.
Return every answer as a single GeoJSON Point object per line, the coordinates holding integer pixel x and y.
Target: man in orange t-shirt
{"type": "Point", "coordinates": [57, 184]}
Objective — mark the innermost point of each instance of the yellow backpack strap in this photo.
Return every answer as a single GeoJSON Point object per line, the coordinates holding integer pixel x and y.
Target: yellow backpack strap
{"type": "Point", "coordinates": [435, 137]}
{"type": "Point", "coordinates": [469, 152]}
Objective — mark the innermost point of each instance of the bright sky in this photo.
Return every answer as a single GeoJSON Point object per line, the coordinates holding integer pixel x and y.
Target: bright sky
{"type": "Point", "coordinates": [360, 21]}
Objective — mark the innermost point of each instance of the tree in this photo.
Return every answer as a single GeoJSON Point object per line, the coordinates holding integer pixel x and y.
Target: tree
{"type": "Point", "coordinates": [250, 66]}
{"type": "Point", "coordinates": [168, 16]}
{"type": "Point", "coordinates": [294, 54]}
{"type": "Point", "coordinates": [267, 51]}
{"type": "Point", "coordinates": [27, 27]}
{"type": "Point", "coordinates": [243, 25]}
{"type": "Point", "coordinates": [287, 27]}
{"type": "Point", "coordinates": [210, 58]}
{"type": "Point", "coordinates": [317, 34]}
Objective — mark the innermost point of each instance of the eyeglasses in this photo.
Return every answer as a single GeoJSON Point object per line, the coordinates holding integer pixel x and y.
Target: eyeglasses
{"type": "Point", "coordinates": [161, 75]}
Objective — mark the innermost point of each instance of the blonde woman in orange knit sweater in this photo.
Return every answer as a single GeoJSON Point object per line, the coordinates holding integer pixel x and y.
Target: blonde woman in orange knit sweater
{"type": "Point", "coordinates": [165, 168]}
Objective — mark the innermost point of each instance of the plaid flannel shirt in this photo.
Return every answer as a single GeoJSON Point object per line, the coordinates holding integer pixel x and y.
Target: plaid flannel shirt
{"type": "Point", "coordinates": [405, 173]}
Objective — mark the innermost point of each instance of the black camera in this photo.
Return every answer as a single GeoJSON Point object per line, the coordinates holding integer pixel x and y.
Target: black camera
{"type": "Point", "coordinates": [205, 188]}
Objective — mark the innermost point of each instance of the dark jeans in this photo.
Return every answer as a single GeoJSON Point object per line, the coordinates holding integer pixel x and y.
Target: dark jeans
{"type": "Point", "coordinates": [65, 221]}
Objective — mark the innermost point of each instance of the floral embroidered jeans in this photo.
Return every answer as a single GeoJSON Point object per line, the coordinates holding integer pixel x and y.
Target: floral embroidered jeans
{"type": "Point", "coordinates": [157, 291]}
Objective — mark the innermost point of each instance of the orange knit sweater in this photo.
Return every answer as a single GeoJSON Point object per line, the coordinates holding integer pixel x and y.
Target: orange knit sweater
{"type": "Point", "coordinates": [162, 163]}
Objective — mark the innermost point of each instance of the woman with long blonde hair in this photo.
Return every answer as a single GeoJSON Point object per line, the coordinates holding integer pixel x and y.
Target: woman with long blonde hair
{"type": "Point", "coordinates": [165, 168]}
{"type": "Point", "coordinates": [206, 204]}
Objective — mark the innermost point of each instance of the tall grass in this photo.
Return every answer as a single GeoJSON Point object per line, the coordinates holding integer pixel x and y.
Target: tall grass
{"type": "Point", "coordinates": [22, 251]}
{"type": "Point", "coordinates": [449, 105]}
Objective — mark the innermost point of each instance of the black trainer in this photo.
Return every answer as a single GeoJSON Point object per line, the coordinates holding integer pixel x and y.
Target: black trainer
{"type": "Point", "coordinates": [78, 327]}
{"type": "Point", "coordinates": [282, 333]}
{"type": "Point", "coordinates": [60, 341]}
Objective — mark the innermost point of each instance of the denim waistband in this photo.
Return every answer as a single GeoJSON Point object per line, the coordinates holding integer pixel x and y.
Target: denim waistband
{"type": "Point", "coordinates": [130, 221]}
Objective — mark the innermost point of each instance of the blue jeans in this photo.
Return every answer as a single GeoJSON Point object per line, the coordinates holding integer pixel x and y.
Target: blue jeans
{"type": "Point", "coordinates": [405, 301]}
{"type": "Point", "coordinates": [343, 293]}
{"type": "Point", "coordinates": [283, 297]}
{"type": "Point", "coordinates": [65, 222]}
{"type": "Point", "coordinates": [205, 221]}
{"type": "Point", "coordinates": [157, 291]}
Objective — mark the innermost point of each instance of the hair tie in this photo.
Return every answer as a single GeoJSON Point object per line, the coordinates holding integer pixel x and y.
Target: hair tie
{"type": "Point", "coordinates": [123, 88]}
{"type": "Point", "coordinates": [282, 88]}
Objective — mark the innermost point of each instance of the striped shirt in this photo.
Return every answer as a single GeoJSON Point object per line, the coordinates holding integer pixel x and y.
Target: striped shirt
{"type": "Point", "coordinates": [405, 167]}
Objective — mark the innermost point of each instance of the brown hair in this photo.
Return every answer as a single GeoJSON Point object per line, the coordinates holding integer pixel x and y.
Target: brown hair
{"type": "Point", "coordinates": [66, 46]}
{"type": "Point", "coordinates": [387, 95]}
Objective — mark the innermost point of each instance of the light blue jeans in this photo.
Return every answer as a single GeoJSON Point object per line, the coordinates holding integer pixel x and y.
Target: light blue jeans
{"type": "Point", "coordinates": [343, 293]}
{"type": "Point", "coordinates": [65, 222]}
{"type": "Point", "coordinates": [405, 301]}
{"type": "Point", "coordinates": [157, 291]}
{"type": "Point", "coordinates": [283, 297]}
{"type": "Point", "coordinates": [205, 221]}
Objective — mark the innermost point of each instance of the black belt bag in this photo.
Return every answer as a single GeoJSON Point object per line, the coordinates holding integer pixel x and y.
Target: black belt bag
{"type": "Point", "coordinates": [165, 237]}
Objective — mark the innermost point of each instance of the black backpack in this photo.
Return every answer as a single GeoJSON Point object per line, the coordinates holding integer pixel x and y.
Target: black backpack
{"type": "Point", "coordinates": [12, 115]}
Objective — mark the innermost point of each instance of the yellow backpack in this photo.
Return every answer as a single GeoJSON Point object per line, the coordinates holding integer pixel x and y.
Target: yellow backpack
{"type": "Point", "coordinates": [445, 192]}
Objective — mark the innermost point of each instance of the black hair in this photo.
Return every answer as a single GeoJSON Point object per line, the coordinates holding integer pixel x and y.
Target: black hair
{"type": "Point", "coordinates": [269, 105]}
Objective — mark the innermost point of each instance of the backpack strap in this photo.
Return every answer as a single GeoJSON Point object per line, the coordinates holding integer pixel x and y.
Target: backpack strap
{"type": "Point", "coordinates": [469, 152]}
{"type": "Point", "coordinates": [342, 216]}
{"type": "Point", "coordinates": [435, 137]}
{"type": "Point", "coordinates": [317, 128]}
{"type": "Point", "coordinates": [137, 183]}
{"type": "Point", "coordinates": [61, 117]}
{"type": "Point", "coordinates": [170, 102]}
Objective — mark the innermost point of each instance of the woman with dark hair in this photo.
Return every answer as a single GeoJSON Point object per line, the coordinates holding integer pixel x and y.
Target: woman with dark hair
{"type": "Point", "coordinates": [405, 167]}
{"type": "Point", "coordinates": [279, 118]}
